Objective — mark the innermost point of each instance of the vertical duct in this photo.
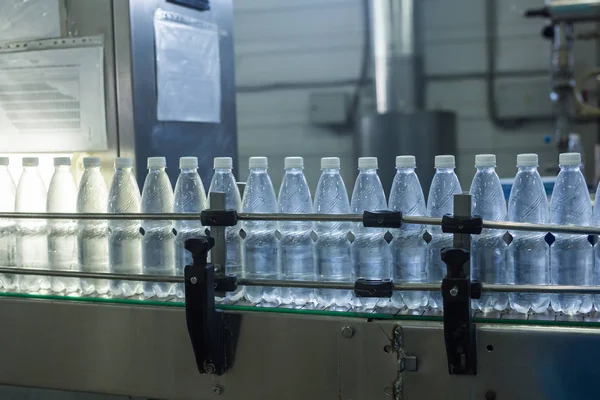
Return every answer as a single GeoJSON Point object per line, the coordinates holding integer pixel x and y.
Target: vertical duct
{"type": "Point", "coordinates": [397, 55]}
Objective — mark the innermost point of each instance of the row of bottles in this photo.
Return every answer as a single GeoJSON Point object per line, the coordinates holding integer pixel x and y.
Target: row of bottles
{"type": "Point", "coordinates": [299, 250]}
{"type": "Point", "coordinates": [527, 259]}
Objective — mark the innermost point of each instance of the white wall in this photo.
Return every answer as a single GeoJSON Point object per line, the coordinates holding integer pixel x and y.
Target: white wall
{"type": "Point", "coordinates": [304, 41]}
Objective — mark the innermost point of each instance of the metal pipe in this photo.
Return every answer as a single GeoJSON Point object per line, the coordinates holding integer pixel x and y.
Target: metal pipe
{"type": "Point", "coordinates": [397, 58]}
{"type": "Point", "coordinates": [425, 287]}
{"type": "Point", "coordinates": [102, 216]}
{"type": "Point", "coordinates": [407, 219]}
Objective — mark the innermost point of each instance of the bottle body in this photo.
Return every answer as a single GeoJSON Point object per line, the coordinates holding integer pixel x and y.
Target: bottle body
{"type": "Point", "coordinates": [223, 181]}
{"type": "Point", "coordinates": [32, 237]}
{"type": "Point", "coordinates": [571, 256]}
{"type": "Point", "coordinates": [408, 248]}
{"type": "Point", "coordinates": [528, 254]}
{"type": "Point", "coordinates": [62, 234]}
{"type": "Point", "coordinates": [370, 251]}
{"type": "Point", "coordinates": [260, 244]}
{"type": "Point", "coordinates": [444, 186]}
{"type": "Point", "coordinates": [124, 239]}
{"type": "Point", "coordinates": [158, 242]}
{"type": "Point", "coordinates": [488, 249]}
{"type": "Point", "coordinates": [296, 247]}
{"type": "Point", "coordinates": [8, 229]}
{"type": "Point", "coordinates": [332, 248]}
{"type": "Point", "coordinates": [190, 198]}
{"type": "Point", "coordinates": [92, 236]}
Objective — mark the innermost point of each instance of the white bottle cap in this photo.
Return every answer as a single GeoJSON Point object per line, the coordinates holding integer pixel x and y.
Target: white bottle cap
{"type": "Point", "coordinates": [294, 162]}
{"type": "Point", "coordinates": [223, 162]}
{"type": "Point", "coordinates": [188, 162]}
{"type": "Point", "coordinates": [30, 161]}
{"type": "Point", "coordinates": [569, 159]}
{"type": "Point", "coordinates": [330, 163]}
{"type": "Point", "coordinates": [406, 162]}
{"type": "Point", "coordinates": [258, 162]}
{"type": "Point", "coordinates": [445, 162]}
{"type": "Point", "coordinates": [91, 161]}
{"type": "Point", "coordinates": [123, 162]}
{"type": "Point", "coordinates": [367, 162]}
{"type": "Point", "coordinates": [65, 161]}
{"type": "Point", "coordinates": [157, 162]}
{"type": "Point", "coordinates": [4, 161]}
{"type": "Point", "coordinates": [527, 160]}
{"type": "Point", "coordinates": [485, 160]}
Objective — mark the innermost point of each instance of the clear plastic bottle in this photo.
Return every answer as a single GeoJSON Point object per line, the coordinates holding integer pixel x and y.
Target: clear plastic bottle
{"type": "Point", "coordinates": [409, 249]}
{"type": "Point", "coordinates": [371, 253]}
{"type": "Point", "coordinates": [124, 237]}
{"type": "Point", "coordinates": [32, 237]}
{"type": "Point", "coordinates": [444, 186]}
{"type": "Point", "coordinates": [260, 244]}
{"type": "Point", "coordinates": [528, 254]}
{"type": "Point", "coordinates": [488, 249]}
{"type": "Point", "coordinates": [332, 248]}
{"type": "Point", "coordinates": [8, 227]}
{"type": "Point", "coordinates": [223, 181]}
{"type": "Point", "coordinates": [189, 197]}
{"type": "Point", "coordinates": [571, 256]}
{"type": "Point", "coordinates": [158, 243]}
{"type": "Point", "coordinates": [296, 247]}
{"type": "Point", "coordinates": [92, 238]}
{"type": "Point", "coordinates": [62, 233]}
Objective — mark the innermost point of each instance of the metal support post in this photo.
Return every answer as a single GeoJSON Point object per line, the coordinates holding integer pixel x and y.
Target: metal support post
{"type": "Point", "coordinates": [458, 290]}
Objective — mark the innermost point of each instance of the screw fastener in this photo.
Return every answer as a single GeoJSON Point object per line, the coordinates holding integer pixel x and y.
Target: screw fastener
{"type": "Point", "coordinates": [454, 291]}
{"type": "Point", "coordinates": [193, 279]}
{"type": "Point", "coordinates": [347, 331]}
{"type": "Point", "coordinates": [217, 389]}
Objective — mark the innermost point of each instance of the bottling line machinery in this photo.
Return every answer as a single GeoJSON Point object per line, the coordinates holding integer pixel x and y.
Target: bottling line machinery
{"type": "Point", "coordinates": [197, 349]}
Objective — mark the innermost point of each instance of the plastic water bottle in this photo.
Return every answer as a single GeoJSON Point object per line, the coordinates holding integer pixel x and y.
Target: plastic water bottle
{"type": "Point", "coordinates": [528, 255]}
{"type": "Point", "coordinates": [444, 186]}
{"type": "Point", "coordinates": [92, 238]}
{"type": "Point", "coordinates": [296, 247]}
{"type": "Point", "coordinates": [371, 253]}
{"type": "Point", "coordinates": [571, 256]}
{"type": "Point", "coordinates": [223, 181]}
{"type": "Point", "coordinates": [158, 243]}
{"type": "Point", "coordinates": [124, 238]}
{"type": "Point", "coordinates": [488, 249]}
{"type": "Point", "coordinates": [62, 233]}
{"type": "Point", "coordinates": [8, 228]}
{"type": "Point", "coordinates": [409, 249]}
{"type": "Point", "coordinates": [260, 244]}
{"type": "Point", "coordinates": [32, 238]}
{"type": "Point", "coordinates": [332, 248]}
{"type": "Point", "coordinates": [189, 198]}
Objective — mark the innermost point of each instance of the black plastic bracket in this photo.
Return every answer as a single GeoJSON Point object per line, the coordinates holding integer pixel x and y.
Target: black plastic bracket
{"type": "Point", "coordinates": [212, 332]}
{"type": "Point", "coordinates": [374, 288]}
{"type": "Point", "coordinates": [457, 224]}
{"type": "Point", "coordinates": [459, 329]}
{"type": "Point", "coordinates": [382, 219]}
{"type": "Point", "coordinates": [219, 217]}
{"type": "Point", "coordinates": [227, 283]}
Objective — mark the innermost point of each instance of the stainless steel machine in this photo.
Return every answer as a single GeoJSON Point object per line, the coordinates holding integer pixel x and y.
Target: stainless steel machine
{"type": "Point", "coordinates": [400, 124]}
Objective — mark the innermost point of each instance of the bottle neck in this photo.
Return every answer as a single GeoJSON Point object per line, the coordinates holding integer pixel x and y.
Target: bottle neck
{"type": "Point", "coordinates": [156, 169]}
{"type": "Point", "coordinates": [372, 171]}
{"type": "Point", "coordinates": [486, 170]}
{"type": "Point", "coordinates": [293, 170]}
{"type": "Point", "coordinates": [570, 168]}
{"type": "Point", "coordinates": [123, 169]}
{"type": "Point", "coordinates": [188, 170]}
{"type": "Point", "coordinates": [444, 170]}
{"type": "Point", "coordinates": [405, 170]}
{"type": "Point", "coordinates": [330, 170]}
{"type": "Point", "coordinates": [223, 170]}
{"type": "Point", "coordinates": [527, 168]}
